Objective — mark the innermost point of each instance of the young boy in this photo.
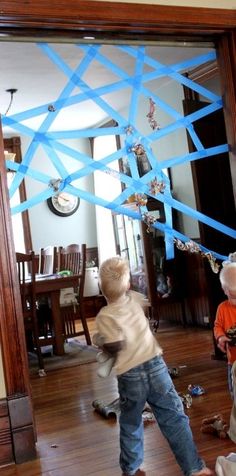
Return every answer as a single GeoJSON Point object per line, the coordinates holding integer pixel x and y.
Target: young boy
{"type": "Point", "coordinates": [142, 375]}
{"type": "Point", "coordinates": [225, 322]}
{"type": "Point", "coordinates": [106, 360]}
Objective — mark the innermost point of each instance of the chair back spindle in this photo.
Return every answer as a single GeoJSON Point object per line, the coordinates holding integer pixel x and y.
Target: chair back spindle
{"type": "Point", "coordinates": [48, 260]}
{"type": "Point", "coordinates": [26, 266]}
{"type": "Point", "coordinates": [73, 258]}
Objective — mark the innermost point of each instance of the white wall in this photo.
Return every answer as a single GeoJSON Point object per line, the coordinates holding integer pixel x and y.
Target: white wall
{"type": "Point", "coordinates": [48, 228]}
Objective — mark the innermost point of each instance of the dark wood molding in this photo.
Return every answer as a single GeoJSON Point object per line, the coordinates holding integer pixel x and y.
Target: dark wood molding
{"type": "Point", "coordinates": [6, 450]}
{"type": "Point", "coordinates": [13, 144]}
{"type": "Point", "coordinates": [11, 323]}
{"type": "Point", "coordinates": [204, 72]}
{"type": "Point", "coordinates": [70, 19]}
{"type": "Point", "coordinates": [114, 17]}
{"type": "Point", "coordinates": [111, 12]}
{"type": "Point", "coordinates": [22, 427]}
{"type": "Point", "coordinates": [227, 69]}
{"type": "Point", "coordinates": [12, 335]}
{"type": "Point", "coordinates": [17, 436]}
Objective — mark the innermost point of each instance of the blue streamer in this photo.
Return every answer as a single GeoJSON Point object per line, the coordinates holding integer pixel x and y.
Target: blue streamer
{"type": "Point", "coordinates": [176, 76]}
{"type": "Point", "coordinates": [76, 78]}
{"type": "Point", "coordinates": [209, 152]}
{"type": "Point", "coordinates": [135, 92]}
{"type": "Point", "coordinates": [76, 134]}
{"type": "Point", "coordinates": [185, 121]}
{"type": "Point", "coordinates": [137, 216]}
{"type": "Point", "coordinates": [198, 216]}
{"type": "Point", "coordinates": [55, 160]}
{"type": "Point", "coordinates": [26, 161]}
{"type": "Point", "coordinates": [195, 138]}
{"type": "Point", "coordinates": [73, 76]}
{"type": "Point", "coordinates": [10, 122]}
{"type": "Point", "coordinates": [41, 197]}
{"type": "Point", "coordinates": [138, 86]}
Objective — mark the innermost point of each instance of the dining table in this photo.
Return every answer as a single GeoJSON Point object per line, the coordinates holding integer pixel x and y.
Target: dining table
{"type": "Point", "coordinates": [50, 286]}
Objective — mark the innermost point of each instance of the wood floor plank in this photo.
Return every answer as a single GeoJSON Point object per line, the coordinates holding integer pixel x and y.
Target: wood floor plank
{"type": "Point", "coordinates": [73, 440]}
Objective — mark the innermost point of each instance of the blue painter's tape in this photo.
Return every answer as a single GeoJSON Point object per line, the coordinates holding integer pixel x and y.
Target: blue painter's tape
{"type": "Point", "coordinates": [26, 161]}
{"type": "Point", "coordinates": [138, 86]}
{"type": "Point", "coordinates": [15, 125]}
{"type": "Point", "coordinates": [76, 78]}
{"type": "Point", "coordinates": [133, 108]}
{"type": "Point", "coordinates": [170, 71]}
{"type": "Point", "coordinates": [197, 215]}
{"type": "Point", "coordinates": [211, 151]}
{"type": "Point", "coordinates": [185, 121]}
{"type": "Point", "coordinates": [71, 83]}
{"type": "Point", "coordinates": [169, 246]}
{"type": "Point", "coordinates": [41, 197]}
{"type": "Point", "coordinates": [61, 169]}
{"type": "Point", "coordinates": [195, 138]}
{"type": "Point", "coordinates": [76, 134]}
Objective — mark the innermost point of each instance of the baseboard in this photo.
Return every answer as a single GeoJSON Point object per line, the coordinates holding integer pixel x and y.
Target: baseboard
{"type": "Point", "coordinates": [6, 448]}
{"type": "Point", "coordinates": [22, 427]}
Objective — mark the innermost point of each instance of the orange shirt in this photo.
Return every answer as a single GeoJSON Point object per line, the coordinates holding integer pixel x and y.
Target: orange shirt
{"type": "Point", "coordinates": [225, 319]}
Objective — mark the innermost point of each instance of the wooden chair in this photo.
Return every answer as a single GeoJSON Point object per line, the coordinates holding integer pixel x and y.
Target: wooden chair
{"type": "Point", "coordinates": [26, 265]}
{"type": "Point", "coordinates": [73, 258]}
{"type": "Point", "coordinates": [48, 260]}
{"type": "Point", "coordinates": [47, 265]}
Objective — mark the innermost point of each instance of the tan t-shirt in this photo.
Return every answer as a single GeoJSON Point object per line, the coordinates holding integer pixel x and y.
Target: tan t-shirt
{"type": "Point", "coordinates": [125, 321]}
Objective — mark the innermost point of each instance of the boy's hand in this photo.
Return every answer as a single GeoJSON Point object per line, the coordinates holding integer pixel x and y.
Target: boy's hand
{"type": "Point", "coordinates": [221, 343]}
{"type": "Point", "coordinates": [98, 340]}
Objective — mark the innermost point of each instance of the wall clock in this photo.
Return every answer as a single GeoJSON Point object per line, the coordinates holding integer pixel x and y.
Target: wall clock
{"type": "Point", "coordinates": [63, 204]}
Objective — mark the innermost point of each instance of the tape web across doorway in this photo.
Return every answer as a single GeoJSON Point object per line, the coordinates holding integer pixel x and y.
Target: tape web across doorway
{"type": "Point", "coordinates": [138, 126]}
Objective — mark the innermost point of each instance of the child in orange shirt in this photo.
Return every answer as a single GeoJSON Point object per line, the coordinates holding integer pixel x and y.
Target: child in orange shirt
{"type": "Point", "coordinates": [225, 322]}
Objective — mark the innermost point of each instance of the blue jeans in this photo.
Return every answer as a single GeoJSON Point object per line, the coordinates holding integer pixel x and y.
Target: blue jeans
{"type": "Point", "coordinates": [151, 382]}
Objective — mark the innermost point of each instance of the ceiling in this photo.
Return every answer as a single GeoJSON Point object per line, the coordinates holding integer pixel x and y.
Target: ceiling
{"type": "Point", "coordinates": [39, 81]}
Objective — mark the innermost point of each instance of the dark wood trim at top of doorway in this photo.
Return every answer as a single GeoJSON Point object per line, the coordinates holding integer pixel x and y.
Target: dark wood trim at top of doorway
{"type": "Point", "coordinates": [13, 144]}
{"type": "Point", "coordinates": [71, 17]}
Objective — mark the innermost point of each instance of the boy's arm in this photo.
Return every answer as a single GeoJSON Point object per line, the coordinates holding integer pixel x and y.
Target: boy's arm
{"type": "Point", "coordinates": [97, 339]}
{"type": "Point", "coordinates": [219, 331]}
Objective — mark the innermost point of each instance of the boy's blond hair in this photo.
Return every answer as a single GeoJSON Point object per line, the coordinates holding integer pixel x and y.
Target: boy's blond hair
{"type": "Point", "coordinates": [114, 277]}
{"type": "Point", "coordinates": [228, 276]}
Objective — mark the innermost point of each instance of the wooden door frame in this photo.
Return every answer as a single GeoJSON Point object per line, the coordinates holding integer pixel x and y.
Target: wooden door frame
{"type": "Point", "coordinates": [72, 20]}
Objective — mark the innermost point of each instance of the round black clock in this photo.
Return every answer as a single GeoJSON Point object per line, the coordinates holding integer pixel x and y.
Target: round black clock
{"type": "Point", "coordinates": [63, 204]}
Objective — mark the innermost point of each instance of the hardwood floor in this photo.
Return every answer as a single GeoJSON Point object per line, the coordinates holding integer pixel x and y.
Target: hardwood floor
{"type": "Point", "coordinates": [73, 440]}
